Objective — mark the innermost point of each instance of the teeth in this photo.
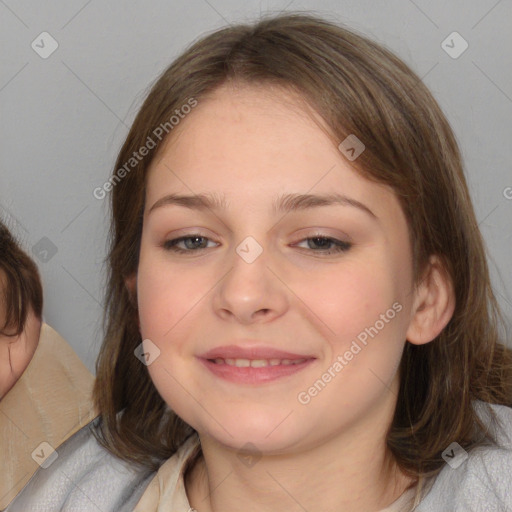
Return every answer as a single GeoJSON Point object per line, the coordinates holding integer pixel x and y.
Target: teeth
{"type": "Point", "coordinates": [257, 363]}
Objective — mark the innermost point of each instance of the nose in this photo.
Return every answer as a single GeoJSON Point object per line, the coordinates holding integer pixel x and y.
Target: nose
{"type": "Point", "coordinates": [250, 292]}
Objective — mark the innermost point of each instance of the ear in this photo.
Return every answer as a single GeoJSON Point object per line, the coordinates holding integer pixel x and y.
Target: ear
{"type": "Point", "coordinates": [131, 286]}
{"type": "Point", "coordinates": [433, 305]}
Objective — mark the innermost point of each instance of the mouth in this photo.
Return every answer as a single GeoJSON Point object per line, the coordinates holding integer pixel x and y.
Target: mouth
{"type": "Point", "coordinates": [253, 365]}
{"type": "Point", "coordinates": [257, 363]}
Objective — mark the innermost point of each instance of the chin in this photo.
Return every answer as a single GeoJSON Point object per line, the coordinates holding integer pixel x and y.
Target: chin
{"type": "Point", "coordinates": [268, 432]}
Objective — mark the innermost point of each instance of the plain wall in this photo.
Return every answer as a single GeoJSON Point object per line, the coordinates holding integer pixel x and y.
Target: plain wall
{"type": "Point", "coordinates": [65, 117]}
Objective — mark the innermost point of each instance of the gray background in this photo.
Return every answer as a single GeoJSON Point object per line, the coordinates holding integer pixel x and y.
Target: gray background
{"type": "Point", "coordinates": [64, 117]}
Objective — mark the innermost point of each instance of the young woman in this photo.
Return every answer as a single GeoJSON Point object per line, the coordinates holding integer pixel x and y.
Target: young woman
{"type": "Point", "coordinates": [300, 314]}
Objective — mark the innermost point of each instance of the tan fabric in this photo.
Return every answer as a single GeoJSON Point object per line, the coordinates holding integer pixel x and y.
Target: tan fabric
{"type": "Point", "coordinates": [49, 403]}
{"type": "Point", "coordinates": [166, 490]}
{"type": "Point", "coordinates": [404, 503]}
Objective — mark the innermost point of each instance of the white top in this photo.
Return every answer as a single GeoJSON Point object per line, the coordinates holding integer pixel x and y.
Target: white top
{"type": "Point", "coordinates": [86, 477]}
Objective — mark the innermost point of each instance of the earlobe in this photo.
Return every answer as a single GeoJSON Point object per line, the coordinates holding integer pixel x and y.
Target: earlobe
{"type": "Point", "coordinates": [434, 304]}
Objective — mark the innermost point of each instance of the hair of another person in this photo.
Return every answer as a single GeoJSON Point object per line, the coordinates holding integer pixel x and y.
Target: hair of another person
{"type": "Point", "coordinates": [357, 87]}
{"type": "Point", "coordinates": [22, 289]}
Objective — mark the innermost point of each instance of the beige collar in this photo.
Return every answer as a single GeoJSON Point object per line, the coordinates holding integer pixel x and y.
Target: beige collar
{"type": "Point", "coordinates": [167, 489]}
{"type": "Point", "coordinates": [49, 403]}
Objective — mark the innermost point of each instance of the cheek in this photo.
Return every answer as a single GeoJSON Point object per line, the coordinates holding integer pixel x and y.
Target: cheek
{"type": "Point", "coordinates": [165, 296]}
{"type": "Point", "coordinates": [153, 302]}
{"type": "Point", "coordinates": [165, 299]}
{"type": "Point", "coordinates": [366, 339]}
{"type": "Point", "coordinates": [350, 298]}
{"type": "Point", "coordinates": [362, 319]}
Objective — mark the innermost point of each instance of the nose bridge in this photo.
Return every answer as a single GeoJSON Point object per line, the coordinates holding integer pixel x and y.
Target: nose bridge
{"type": "Point", "coordinates": [249, 270]}
{"type": "Point", "coordinates": [249, 287]}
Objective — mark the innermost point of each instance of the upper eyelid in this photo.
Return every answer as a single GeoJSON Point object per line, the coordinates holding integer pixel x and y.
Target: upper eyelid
{"type": "Point", "coordinates": [307, 233]}
{"type": "Point", "coordinates": [302, 237]}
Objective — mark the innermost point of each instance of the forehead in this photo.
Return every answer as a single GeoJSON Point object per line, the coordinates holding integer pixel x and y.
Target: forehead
{"type": "Point", "coordinates": [252, 144]}
{"type": "Point", "coordinates": [241, 123]}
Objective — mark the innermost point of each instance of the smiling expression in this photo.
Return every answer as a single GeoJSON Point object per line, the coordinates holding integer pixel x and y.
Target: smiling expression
{"type": "Point", "coordinates": [249, 171]}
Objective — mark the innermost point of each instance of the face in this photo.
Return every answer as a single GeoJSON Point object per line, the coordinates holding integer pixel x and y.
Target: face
{"type": "Point", "coordinates": [315, 297]}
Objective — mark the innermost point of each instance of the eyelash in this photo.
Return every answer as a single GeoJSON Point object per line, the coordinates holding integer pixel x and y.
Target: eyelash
{"type": "Point", "coordinates": [340, 246]}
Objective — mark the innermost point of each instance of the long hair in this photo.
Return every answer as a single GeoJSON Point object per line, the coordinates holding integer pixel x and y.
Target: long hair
{"type": "Point", "coordinates": [358, 87]}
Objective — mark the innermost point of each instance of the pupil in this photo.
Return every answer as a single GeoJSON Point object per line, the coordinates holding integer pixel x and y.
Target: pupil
{"type": "Point", "coordinates": [193, 240]}
{"type": "Point", "coordinates": [321, 241]}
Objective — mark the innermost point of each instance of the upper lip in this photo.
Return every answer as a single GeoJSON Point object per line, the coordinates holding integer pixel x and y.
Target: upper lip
{"type": "Point", "coordinates": [251, 352]}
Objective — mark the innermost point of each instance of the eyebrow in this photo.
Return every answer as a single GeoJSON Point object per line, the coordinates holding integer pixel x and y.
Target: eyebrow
{"type": "Point", "coordinates": [283, 204]}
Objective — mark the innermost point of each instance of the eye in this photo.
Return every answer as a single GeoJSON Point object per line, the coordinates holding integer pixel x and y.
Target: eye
{"type": "Point", "coordinates": [327, 245]}
{"type": "Point", "coordinates": [197, 242]}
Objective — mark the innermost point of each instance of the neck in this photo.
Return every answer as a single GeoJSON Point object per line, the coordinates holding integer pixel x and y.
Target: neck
{"type": "Point", "coordinates": [353, 471]}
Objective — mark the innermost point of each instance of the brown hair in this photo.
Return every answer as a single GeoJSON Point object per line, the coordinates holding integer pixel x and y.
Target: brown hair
{"type": "Point", "coordinates": [358, 87]}
{"type": "Point", "coordinates": [22, 288]}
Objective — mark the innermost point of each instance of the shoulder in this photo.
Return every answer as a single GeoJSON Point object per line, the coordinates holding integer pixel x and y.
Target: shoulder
{"type": "Point", "coordinates": [49, 403]}
{"type": "Point", "coordinates": [481, 479]}
{"type": "Point", "coordinates": [83, 475]}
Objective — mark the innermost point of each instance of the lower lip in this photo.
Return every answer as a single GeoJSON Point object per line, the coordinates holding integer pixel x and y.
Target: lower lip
{"type": "Point", "coordinates": [250, 375]}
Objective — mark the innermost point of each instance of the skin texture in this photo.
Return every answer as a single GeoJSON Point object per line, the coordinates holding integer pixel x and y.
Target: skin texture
{"type": "Point", "coordinates": [253, 144]}
{"type": "Point", "coordinates": [16, 352]}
